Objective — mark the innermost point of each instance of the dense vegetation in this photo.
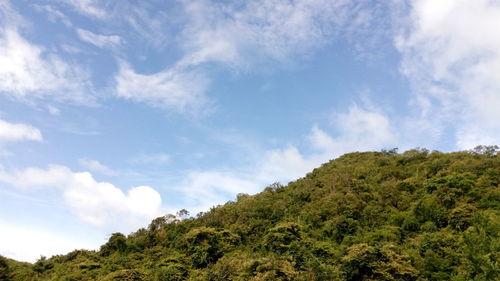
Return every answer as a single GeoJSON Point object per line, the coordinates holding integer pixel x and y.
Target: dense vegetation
{"type": "Point", "coordinates": [417, 215]}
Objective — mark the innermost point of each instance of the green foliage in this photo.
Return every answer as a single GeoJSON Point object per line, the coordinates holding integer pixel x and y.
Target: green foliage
{"type": "Point", "coordinates": [124, 275]}
{"type": "Point", "coordinates": [482, 247]}
{"type": "Point", "coordinates": [339, 227]}
{"type": "Point", "coordinates": [365, 262]}
{"type": "Point", "coordinates": [430, 209]}
{"type": "Point", "coordinates": [42, 265]}
{"type": "Point", "coordinates": [418, 215]}
{"type": "Point", "coordinates": [490, 150]}
{"type": "Point", "coordinates": [172, 272]}
{"type": "Point", "coordinates": [206, 245]}
{"type": "Point", "coordinates": [4, 269]}
{"type": "Point", "coordinates": [281, 238]}
{"type": "Point", "coordinates": [117, 242]}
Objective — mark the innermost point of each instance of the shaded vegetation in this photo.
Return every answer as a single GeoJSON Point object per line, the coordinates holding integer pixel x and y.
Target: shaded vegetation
{"type": "Point", "coordinates": [417, 215]}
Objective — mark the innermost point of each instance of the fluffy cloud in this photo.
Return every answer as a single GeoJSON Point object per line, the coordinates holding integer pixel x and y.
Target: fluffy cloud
{"type": "Point", "coordinates": [98, 39]}
{"type": "Point", "coordinates": [98, 203]}
{"type": "Point", "coordinates": [451, 54]}
{"type": "Point", "coordinates": [28, 72]}
{"type": "Point", "coordinates": [11, 132]}
{"type": "Point", "coordinates": [358, 129]}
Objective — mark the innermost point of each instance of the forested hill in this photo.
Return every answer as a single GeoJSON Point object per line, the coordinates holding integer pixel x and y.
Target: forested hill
{"type": "Point", "coordinates": [416, 215]}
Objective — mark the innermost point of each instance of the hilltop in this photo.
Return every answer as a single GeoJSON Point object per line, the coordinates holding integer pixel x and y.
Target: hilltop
{"type": "Point", "coordinates": [417, 215]}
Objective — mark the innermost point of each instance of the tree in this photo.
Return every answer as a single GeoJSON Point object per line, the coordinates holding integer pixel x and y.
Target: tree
{"type": "Point", "coordinates": [182, 214]}
{"type": "Point", "coordinates": [42, 265]}
{"type": "Point", "coordinates": [116, 242]}
{"type": "Point", "coordinates": [4, 269]}
{"type": "Point", "coordinates": [363, 216]}
{"type": "Point", "coordinates": [365, 262]}
{"type": "Point", "coordinates": [280, 238]}
{"type": "Point", "coordinates": [206, 245]}
{"type": "Point", "coordinates": [489, 150]}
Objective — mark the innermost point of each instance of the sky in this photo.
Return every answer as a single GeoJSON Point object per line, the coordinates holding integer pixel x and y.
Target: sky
{"type": "Point", "coordinates": [113, 113]}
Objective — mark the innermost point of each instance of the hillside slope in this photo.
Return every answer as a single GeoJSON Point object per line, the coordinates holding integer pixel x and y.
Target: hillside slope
{"type": "Point", "coordinates": [363, 216]}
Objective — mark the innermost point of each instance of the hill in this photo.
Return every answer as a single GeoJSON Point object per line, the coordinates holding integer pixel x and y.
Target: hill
{"type": "Point", "coordinates": [416, 215]}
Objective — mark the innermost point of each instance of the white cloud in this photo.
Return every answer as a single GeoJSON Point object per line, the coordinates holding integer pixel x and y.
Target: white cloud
{"type": "Point", "coordinates": [11, 132]}
{"type": "Point", "coordinates": [53, 110]}
{"type": "Point", "coordinates": [286, 164]}
{"type": "Point", "coordinates": [9, 17]}
{"type": "Point", "coordinates": [28, 72]}
{"type": "Point", "coordinates": [204, 189]}
{"type": "Point", "coordinates": [150, 25]}
{"type": "Point", "coordinates": [97, 167]}
{"type": "Point", "coordinates": [28, 243]}
{"type": "Point", "coordinates": [451, 54]}
{"type": "Point", "coordinates": [238, 32]}
{"type": "Point", "coordinates": [98, 203]}
{"type": "Point", "coordinates": [178, 89]}
{"type": "Point", "coordinates": [98, 40]}
{"type": "Point", "coordinates": [359, 129]}
{"type": "Point", "coordinates": [53, 14]}
{"type": "Point", "coordinates": [87, 7]}
{"type": "Point", "coordinates": [238, 35]}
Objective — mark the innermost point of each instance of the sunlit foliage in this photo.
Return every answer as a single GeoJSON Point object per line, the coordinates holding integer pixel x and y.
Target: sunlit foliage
{"type": "Point", "coordinates": [416, 215]}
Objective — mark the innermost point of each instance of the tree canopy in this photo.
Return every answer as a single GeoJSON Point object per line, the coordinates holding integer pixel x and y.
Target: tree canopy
{"type": "Point", "coordinates": [416, 215]}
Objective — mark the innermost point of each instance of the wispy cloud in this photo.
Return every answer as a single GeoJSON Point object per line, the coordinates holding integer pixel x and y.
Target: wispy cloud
{"type": "Point", "coordinates": [238, 36]}
{"type": "Point", "coordinates": [177, 89]}
{"type": "Point", "coordinates": [97, 167]}
{"type": "Point", "coordinates": [53, 110]}
{"type": "Point", "coordinates": [98, 40]}
{"type": "Point", "coordinates": [87, 7]}
{"type": "Point", "coordinates": [29, 72]}
{"type": "Point", "coordinates": [204, 189]}
{"type": "Point", "coordinates": [155, 28]}
{"type": "Point", "coordinates": [451, 54]}
{"type": "Point", "coordinates": [53, 14]}
{"type": "Point", "coordinates": [239, 33]}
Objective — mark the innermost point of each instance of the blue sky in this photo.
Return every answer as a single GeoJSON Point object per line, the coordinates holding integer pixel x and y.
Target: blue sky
{"type": "Point", "coordinates": [116, 112]}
